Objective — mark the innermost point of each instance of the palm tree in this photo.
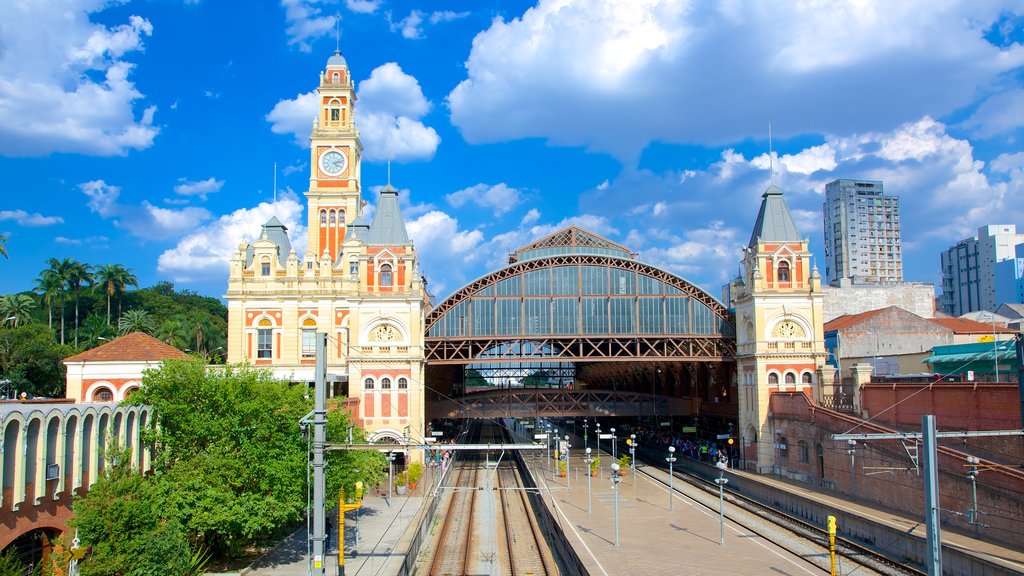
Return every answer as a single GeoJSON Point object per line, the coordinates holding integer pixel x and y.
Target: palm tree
{"type": "Point", "coordinates": [16, 309]}
{"type": "Point", "coordinates": [51, 283]}
{"type": "Point", "coordinates": [3, 248]}
{"type": "Point", "coordinates": [48, 286]}
{"type": "Point", "coordinates": [75, 275]}
{"type": "Point", "coordinates": [95, 331]}
{"type": "Point", "coordinates": [114, 278]}
{"type": "Point", "coordinates": [134, 320]}
{"type": "Point", "coordinates": [174, 332]}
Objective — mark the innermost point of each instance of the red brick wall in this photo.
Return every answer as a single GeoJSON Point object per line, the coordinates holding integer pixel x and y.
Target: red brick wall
{"type": "Point", "coordinates": [956, 405]}
{"type": "Point", "coordinates": [50, 513]}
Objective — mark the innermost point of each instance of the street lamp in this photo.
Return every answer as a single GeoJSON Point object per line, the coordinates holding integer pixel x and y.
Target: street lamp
{"type": "Point", "coordinates": [972, 473]}
{"type": "Point", "coordinates": [721, 481]}
{"type": "Point", "coordinates": [584, 432]}
{"type": "Point", "coordinates": [671, 460]}
{"type": "Point", "coordinates": [851, 449]}
{"type": "Point", "coordinates": [615, 455]}
{"type": "Point", "coordinates": [615, 488]}
{"type": "Point", "coordinates": [632, 455]}
{"type": "Point", "coordinates": [391, 474]}
{"type": "Point", "coordinates": [547, 446]}
{"type": "Point", "coordinates": [568, 471]}
{"type": "Point", "coordinates": [597, 430]}
{"type": "Point", "coordinates": [588, 460]}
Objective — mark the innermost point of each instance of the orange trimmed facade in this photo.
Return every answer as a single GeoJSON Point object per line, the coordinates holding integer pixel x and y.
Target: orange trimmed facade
{"type": "Point", "coordinates": [109, 373]}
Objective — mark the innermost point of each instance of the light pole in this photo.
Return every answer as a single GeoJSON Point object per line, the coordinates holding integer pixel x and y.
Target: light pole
{"type": "Point", "coordinates": [615, 455]}
{"type": "Point", "coordinates": [615, 488]}
{"type": "Point", "coordinates": [632, 455]}
{"type": "Point", "coordinates": [972, 473]}
{"type": "Point", "coordinates": [568, 470]}
{"type": "Point", "coordinates": [721, 481]}
{"type": "Point", "coordinates": [554, 441]}
{"type": "Point", "coordinates": [597, 429]}
{"type": "Point", "coordinates": [851, 449]}
{"type": "Point", "coordinates": [587, 460]}
{"type": "Point", "coordinates": [547, 446]}
{"type": "Point", "coordinates": [584, 432]}
{"type": "Point", "coordinates": [391, 474]}
{"type": "Point", "coordinates": [671, 460]}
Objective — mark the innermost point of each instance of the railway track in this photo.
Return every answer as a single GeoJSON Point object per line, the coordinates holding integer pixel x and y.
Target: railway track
{"type": "Point", "coordinates": [488, 525]}
{"type": "Point", "coordinates": [800, 528]}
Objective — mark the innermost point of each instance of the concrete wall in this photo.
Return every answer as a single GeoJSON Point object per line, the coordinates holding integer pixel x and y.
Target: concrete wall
{"type": "Point", "coordinates": [916, 297]}
{"type": "Point", "coordinates": [892, 332]}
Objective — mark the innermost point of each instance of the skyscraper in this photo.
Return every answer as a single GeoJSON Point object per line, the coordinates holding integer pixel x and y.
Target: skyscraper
{"type": "Point", "coordinates": [969, 269]}
{"type": "Point", "coordinates": [862, 233]}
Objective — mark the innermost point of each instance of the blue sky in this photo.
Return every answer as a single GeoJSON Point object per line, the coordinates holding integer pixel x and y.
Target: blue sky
{"type": "Point", "coordinates": [146, 132]}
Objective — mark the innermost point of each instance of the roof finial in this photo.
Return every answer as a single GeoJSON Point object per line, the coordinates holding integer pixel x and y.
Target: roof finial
{"type": "Point", "coordinates": [771, 156]}
{"type": "Point", "coordinates": [388, 136]}
{"type": "Point", "coordinates": [337, 32]}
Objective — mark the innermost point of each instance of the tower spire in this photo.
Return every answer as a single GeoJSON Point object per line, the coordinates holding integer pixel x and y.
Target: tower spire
{"type": "Point", "coordinates": [337, 33]}
{"type": "Point", "coordinates": [388, 137]}
{"type": "Point", "coordinates": [771, 157]}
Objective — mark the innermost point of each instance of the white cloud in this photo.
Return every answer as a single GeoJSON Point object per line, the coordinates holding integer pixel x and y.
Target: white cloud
{"type": "Point", "coordinates": [305, 23]}
{"type": "Point", "coordinates": [206, 252]}
{"type": "Point", "coordinates": [999, 114]}
{"type": "Point", "coordinates": [731, 66]}
{"type": "Point", "coordinates": [391, 103]}
{"type": "Point", "coordinates": [297, 167]}
{"type": "Point", "coordinates": [86, 241]}
{"type": "Point", "coordinates": [198, 188]}
{"type": "Point", "coordinates": [67, 89]}
{"type": "Point", "coordinates": [411, 26]}
{"type": "Point", "coordinates": [363, 6]}
{"type": "Point", "coordinates": [500, 198]}
{"type": "Point", "coordinates": [144, 221]}
{"type": "Point", "coordinates": [23, 218]}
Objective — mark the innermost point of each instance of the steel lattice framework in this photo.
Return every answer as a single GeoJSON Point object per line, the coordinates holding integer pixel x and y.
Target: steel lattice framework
{"type": "Point", "coordinates": [719, 347]}
{"type": "Point", "coordinates": [528, 402]}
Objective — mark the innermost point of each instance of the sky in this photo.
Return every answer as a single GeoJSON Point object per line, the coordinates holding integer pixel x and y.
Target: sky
{"type": "Point", "coordinates": [146, 133]}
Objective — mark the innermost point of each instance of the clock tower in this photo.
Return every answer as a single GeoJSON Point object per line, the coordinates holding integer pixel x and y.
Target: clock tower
{"type": "Point", "coordinates": [334, 196]}
{"type": "Point", "coordinates": [779, 337]}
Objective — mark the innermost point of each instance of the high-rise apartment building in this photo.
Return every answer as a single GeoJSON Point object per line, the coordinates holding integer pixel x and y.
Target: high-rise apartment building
{"type": "Point", "coordinates": [862, 233]}
{"type": "Point", "coordinates": [969, 269]}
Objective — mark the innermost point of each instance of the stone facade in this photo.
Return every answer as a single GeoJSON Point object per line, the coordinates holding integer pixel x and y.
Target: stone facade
{"type": "Point", "coordinates": [849, 298]}
{"type": "Point", "coordinates": [358, 283]}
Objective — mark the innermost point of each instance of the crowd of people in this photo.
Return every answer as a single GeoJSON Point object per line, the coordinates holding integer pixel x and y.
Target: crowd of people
{"type": "Point", "coordinates": [652, 439]}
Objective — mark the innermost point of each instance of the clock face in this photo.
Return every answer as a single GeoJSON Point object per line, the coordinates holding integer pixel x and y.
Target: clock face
{"type": "Point", "coordinates": [333, 162]}
{"type": "Point", "coordinates": [788, 329]}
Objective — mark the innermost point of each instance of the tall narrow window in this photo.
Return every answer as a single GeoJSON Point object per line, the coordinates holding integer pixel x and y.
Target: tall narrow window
{"type": "Point", "coordinates": [264, 340]}
{"type": "Point", "coordinates": [385, 275]}
{"type": "Point", "coordinates": [309, 338]}
{"type": "Point", "coordinates": [353, 268]}
{"type": "Point", "coordinates": [265, 267]}
{"type": "Point", "coordinates": [783, 271]}
{"type": "Point", "coordinates": [335, 115]}
{"type": "Point", "coordinates": [332, 217]}
{"type": "Point", "coordinates": [323, 217]}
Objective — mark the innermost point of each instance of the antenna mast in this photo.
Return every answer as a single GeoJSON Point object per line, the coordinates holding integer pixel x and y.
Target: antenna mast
{"type": "Point", "coordinates": [275, 182]}
{"type": "Point", "coordinates": [771, 156]}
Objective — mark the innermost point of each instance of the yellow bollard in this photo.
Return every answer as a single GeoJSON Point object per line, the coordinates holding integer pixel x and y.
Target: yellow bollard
{"type": "Point", "coordinates": [342, 508]}
{"type": "Point", "coordinates": [832, 542]}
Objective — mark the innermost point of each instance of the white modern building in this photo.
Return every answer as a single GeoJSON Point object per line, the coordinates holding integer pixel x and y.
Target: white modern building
{"type": "Point", "coordinates": [969, 269]}
{"type": "Point", "coordinates": [862, 233]}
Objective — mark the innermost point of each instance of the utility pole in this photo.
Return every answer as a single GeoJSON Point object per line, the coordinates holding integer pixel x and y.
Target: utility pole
{"type": "Point", "coordinates": [319, 436]}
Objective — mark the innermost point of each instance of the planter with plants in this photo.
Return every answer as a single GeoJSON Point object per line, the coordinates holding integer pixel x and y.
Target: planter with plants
{"type": "Point", "coordinates": [415, 472]}
{"type": "Point", "coordinates": [595, 463]}
{"type": "Point", "coordinates": [623, 464]}
{"type": "Point", "coordinates": [400, 481]}
{"type": "Point", "coordinates": [563, 468]}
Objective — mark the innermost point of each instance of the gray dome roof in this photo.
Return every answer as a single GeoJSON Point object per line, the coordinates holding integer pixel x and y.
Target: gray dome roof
{"type": "Point", "coordinates": [337, 59]}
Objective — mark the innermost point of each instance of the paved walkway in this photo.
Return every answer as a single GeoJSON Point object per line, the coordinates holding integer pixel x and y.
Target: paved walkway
{"type": "Point", "coordinates": [654, 540]}
{"type": "Point", "coordinates": [376, 540]}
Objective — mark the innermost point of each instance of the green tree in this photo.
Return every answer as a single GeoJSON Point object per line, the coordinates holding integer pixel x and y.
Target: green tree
{"type": "Point", "coordinates": [173, 332]}
{"type": "Point", "coordinates": [52, 281]}
{"type": "Point", "coordinates": [135, 320]}
{"type": "Point", "coordinates": [232, 454]}
{"type": "Point", "coordinates": [49, 286]}
{"type": "Point", "coordinates": [131, 526]}
{"type": "Point", "coordinates": [95, 331]}
{"type": "Point", "coordinates": [32, 360]}
{"type": "Point", "coordinates": [76, 274]}
{"type": "Point", "coordinates": [113, 279]}
{"type": "Point", "coordinates": [3, 245]}
{"type": "Point", "coordinates": [16, 309]}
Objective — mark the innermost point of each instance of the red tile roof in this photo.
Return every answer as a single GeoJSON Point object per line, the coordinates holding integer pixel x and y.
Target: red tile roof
{"type": "Point", "coordinates": [134, 347]}
{"type": "Point", "coordinates": [847, 320]}
{"type": "Point", "coordinates": [965, 326]}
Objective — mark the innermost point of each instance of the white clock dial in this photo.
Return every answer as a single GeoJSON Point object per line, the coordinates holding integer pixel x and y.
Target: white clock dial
{"type": "Point", "coordinates": [333, 162]}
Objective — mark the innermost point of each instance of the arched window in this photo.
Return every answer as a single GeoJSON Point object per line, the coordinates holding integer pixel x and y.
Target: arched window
{"type": "Point", "coordinates": [335, 78]}
{"type": "Point", "coordinates": [103, 394]}
{"type": "Point", "coordinates": [783, 271]}
{"type": "Point", "coordinates": [128, 393]}
{"type": "Point", "coordinates": [368, 384]}
{"type": "Point", "coordinates": [403, 384]}
{"type": "Point", "coordinates": [265, 339]}
{"type": "Point", "coordinates": [323, 217]}
{"type": "Point", "coordinates": [341, 217]}
{"type": "Point", "coordinates": [790, 378]}
{"type": "Point", "coordinates": [308, 338]}
{"type": "Point", "coordinates": [335, 108]}
{"type": "Point", "coordinates": [773, 379]}
{"type": "Point", "coordinates": [385, 383]}
{"type": "Point", "coordinates": [807, 378]}
{"type": "Point", "coordinates": [385, 275]}
{"type": "Point", "coordinates": [332, 217]}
